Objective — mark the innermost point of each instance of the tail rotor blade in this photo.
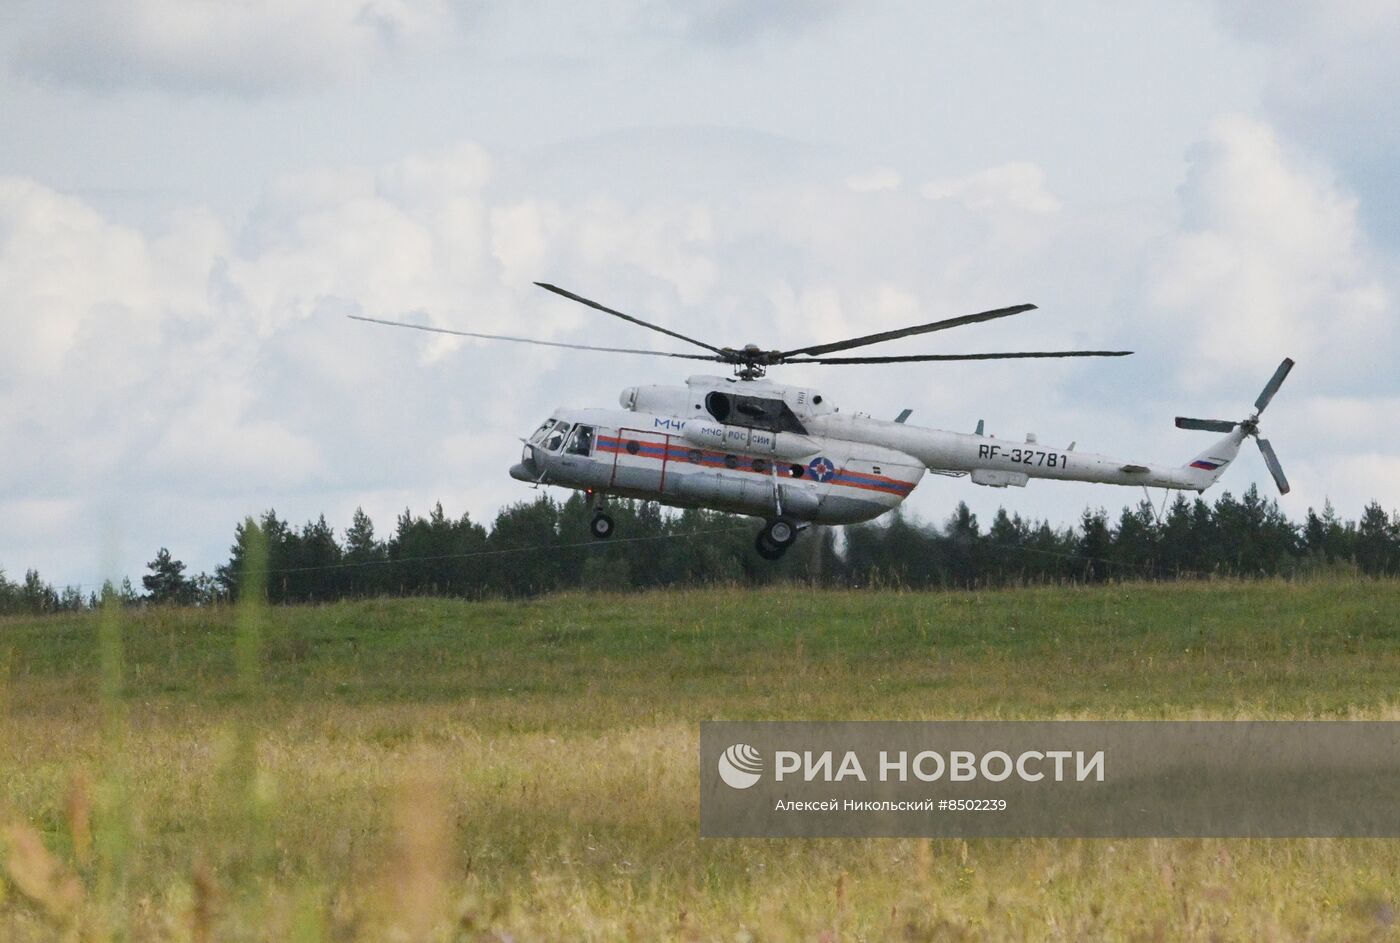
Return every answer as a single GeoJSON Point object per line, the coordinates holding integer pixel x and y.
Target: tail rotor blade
{"type": "Point", "coordinates": [1275, 468]}
{"type": "Point", "coordinates": [1272, 386]}
{"type": "Point", "coordinates": [1205, 425]}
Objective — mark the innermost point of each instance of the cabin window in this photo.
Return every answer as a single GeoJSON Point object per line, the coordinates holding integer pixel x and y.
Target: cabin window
{"type": "Point", "coordinates": [581, 442]}
{"type": "Point", "coordinates": [796, 471]}
{"type": "Point", "coordinates": [695, 456]}
{"type": "Point", "coordinates": [731, 461]}
{"type": "Point", "coordinates": [633, 447]}
{"type": "Point", "coordinates": [760, 466]}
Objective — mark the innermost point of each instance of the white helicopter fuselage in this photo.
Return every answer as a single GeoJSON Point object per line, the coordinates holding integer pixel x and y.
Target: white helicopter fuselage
{"type": "Point", "coordinates": [782, 452]}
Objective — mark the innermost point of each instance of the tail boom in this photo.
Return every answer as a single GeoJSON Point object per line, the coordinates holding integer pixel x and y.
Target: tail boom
{"type": "Point", "coordinates": [1001, 462]}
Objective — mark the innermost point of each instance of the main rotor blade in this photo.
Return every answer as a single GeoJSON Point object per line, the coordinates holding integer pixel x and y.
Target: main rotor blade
{"type": "Point", "coordinates": [1275, 468]}
{"type": "Point", "coordinates": [1272, 386]}
{"type": "Point", "coordinates": [908, 331]}
{"type": "Point", "coordinates": [1205, 425]}
{"type": "Point", "coordinates": [627, 317]}
{"type": "Point", "coordinates": [528, 340]}
{"type": "Point", "coordinates": [1015, 355]}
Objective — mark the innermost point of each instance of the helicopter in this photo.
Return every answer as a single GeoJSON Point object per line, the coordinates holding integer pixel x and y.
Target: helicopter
{"type": "Point", "coordinates": [788, 456]}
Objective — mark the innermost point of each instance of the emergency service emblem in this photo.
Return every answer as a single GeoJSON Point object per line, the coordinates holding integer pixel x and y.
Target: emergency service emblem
{"type": "Point", "coordinates": [822, 468]}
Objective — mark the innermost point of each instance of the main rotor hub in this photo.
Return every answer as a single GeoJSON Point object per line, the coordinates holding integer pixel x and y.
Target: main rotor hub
{"type": "Point", "coordinates": [750, 362]}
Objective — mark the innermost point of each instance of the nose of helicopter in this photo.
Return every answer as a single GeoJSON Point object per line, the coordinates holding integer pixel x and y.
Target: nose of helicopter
{"type": "Point", "coordinates": [525, 469]}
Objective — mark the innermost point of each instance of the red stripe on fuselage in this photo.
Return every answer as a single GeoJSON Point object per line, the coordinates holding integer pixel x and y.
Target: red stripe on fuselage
{"type": "Point", "coordinates": [677, 453]}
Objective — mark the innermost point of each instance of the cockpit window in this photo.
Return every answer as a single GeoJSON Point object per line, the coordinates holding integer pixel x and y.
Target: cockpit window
{"type": "Point", "coordinates": [581, 442]}
{"type": "Point", "coordinates": [555, 439]}
{"type": "Point", "coordinates": [539, 434]}
{"type": "Point", "coordinates": [756, 412]}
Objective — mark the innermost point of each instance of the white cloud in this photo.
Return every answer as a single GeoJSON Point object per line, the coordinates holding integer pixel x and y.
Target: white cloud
{"type": "Point", "coordinates": [210, 362]}
{"type": "Point", "coordinates": [60, 262]}
{"type": "Point", "coordinates": [1269, 261]}
{"type": "Point", "coordinates": [873, 181]}
{"type": "Point", "coordinates": [1329, 69]}
{"type": "Point", "coordinates": [246, 47]}
{"type": "Point", "coordinates": [1018, 185]}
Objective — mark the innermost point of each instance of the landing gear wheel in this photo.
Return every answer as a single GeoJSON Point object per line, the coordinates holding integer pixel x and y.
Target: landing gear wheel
{"type": "Point", "coordinates": [767, 550]}
{"type": "Point", "coordinates": [601, 526]}
{"type": "Point", "coordinates": [780, 533]}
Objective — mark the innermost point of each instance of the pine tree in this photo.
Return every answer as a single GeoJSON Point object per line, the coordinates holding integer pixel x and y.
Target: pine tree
{"type": "Point", "coordinates": [1095, 545]}
{"type": "Point", "coordinates": [1135, 542]}
{"type": "Point", "coordinates": [364, 554]}
{"type": "Point", "coordinates": [166, 583]}
{"type": "Point", "coordinates": [36, 596]}
{"type": "Point", "coordinates": [962, 540]}
{"type": "Point", "coordinates": [1006, 541]}
{"type": "Point", "coordinates": [1314, 534]}
{"type": "Point", "coordinates": [1339, 537]}
{"type": "Point", "coordinates": [9, 596]}
{"type": "Point", "coordinates": [1375, 550]}
{"type": "Point", "coordinates": [230, 575]}
{"type": "Point", "coordinates": [315, 568]}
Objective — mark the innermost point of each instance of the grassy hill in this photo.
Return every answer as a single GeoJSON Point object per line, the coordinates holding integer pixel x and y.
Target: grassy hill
{"type": "Point", "coordinates": [477, 770]}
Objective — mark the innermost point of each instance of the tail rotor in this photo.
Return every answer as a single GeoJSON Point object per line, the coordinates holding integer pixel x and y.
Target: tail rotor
{"type": "Point", "coordinates": [1251, 425]}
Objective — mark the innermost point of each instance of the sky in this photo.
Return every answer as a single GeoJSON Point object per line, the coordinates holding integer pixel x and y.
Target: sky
{"type": "Point", "coordinates": [194, 193]}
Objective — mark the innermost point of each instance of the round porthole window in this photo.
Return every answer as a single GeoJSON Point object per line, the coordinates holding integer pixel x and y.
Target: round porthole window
{"type": "Point", "coordinates": [760, 466]}
{"type": "Point", "coordinates": [633, 447]}
{"type": "Point", "coordinates": [731, 461]}
{"type": "Point", "coordinates": [695, 455]}
{"type": "Point", "coordinates": [797, 471]}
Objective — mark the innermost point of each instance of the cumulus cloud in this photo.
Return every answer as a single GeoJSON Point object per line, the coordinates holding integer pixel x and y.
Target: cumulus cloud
{"type": "Point", "coordinates": [248, 47]}
{"type": "Point", "coordinates": [1269, 261]}
{"type": "Point", "coordinates": [208, 363]}
{"type": "Point", "coordinates": [1329, 71]}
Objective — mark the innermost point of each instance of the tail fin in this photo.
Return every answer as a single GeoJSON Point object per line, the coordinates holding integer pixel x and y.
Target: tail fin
{"type": "Point", "coordinates": [1211, 464]}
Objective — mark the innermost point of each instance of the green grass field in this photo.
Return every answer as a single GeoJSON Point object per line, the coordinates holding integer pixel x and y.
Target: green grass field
{"type": "Point", "coordinates": [427, 769]}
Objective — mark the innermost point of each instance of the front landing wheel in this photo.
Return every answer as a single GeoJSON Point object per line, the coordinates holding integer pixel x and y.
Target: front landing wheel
{"type": "Point", "coordinates": [601, 527]}
{"type": "Point", "coordinates": [780, 533]}
{"type": "Point", "coordinates": [767, 550]}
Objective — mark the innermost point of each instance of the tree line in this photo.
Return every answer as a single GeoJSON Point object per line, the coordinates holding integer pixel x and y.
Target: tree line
{"type": "Point", "coordinates": [543, 546]}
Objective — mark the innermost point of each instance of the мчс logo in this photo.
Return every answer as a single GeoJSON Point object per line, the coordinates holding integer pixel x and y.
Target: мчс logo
{"type": "Point", "coordinates": [740, 766]}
